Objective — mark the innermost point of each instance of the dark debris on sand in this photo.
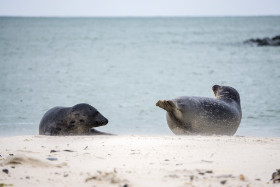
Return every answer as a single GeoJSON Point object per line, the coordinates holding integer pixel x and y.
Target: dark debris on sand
{"type": "Point", "coordinates": [5, 171]}
{"type": "Point", "coordinates": [276, 176]}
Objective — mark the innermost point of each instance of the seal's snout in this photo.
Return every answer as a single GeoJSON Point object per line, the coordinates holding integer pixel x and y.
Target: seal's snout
{"type": "Point", "coordinates": [101, 120]}
{"type": "Point", "coordinates": [215, 88]}
{"type": "Point", "coordinates": [105, 121]}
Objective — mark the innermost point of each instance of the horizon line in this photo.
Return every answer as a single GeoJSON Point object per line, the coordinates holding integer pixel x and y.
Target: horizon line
{"type": "Point", "coordinates": [134, 16]}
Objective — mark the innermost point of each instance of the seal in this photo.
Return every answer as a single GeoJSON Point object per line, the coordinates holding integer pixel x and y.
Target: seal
{"type": "Point", "coordinates": [76, 120]}
{"type": "Point", "coordinates": [204, 116]}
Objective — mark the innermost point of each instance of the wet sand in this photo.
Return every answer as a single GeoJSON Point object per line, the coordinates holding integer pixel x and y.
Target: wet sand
{"type": "Point", "coordinates": [138, 161]}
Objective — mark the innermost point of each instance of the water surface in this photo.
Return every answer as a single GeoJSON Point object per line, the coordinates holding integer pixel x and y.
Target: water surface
{"type": "Point", "coordinates": [122, 66]}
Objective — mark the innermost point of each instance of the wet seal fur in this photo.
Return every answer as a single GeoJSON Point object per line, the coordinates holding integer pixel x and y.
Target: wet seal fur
{"type": "Point", "coordinates": [76, 120]}
{"type": "Point", "coordinates": [204, 116]}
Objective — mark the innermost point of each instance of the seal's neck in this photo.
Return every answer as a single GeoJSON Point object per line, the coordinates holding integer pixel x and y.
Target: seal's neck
{"type": "Point", "coordinates": [229, 98]}
{"type": "Point", "coordinates": [231, 101]}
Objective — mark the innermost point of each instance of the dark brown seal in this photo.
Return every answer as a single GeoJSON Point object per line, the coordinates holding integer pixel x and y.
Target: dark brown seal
{"type": "Point", "coordinates": [76, 120]}
{"type": "Point", "coordinates": [205, 116]}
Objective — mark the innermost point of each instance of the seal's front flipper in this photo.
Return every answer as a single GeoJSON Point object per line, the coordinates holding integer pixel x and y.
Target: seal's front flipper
{"type": "Point", "coordinates": [167, 105]}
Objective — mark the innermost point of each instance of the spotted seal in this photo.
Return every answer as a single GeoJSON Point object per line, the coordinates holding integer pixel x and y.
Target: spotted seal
{"type": "Point", "coordinates": [76, 120]}
{"type": "Point", "coordinates": [204, 116]}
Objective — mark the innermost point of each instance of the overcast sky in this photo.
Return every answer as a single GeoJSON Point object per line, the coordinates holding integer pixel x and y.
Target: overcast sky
{"type": "Point", "coordinates": [139, 7]}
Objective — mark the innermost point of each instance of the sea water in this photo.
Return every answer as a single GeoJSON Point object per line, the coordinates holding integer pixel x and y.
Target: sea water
{"type": "Point", "coordinates": [123, 66]}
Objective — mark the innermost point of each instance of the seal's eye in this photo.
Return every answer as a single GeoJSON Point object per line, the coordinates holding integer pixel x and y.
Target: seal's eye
{"type": "Point", "coordinates": [72, 121]}
{"type": "Point", "coordinates": [81, 120]}
{"type": "Point", "coordinates": [90, 109]}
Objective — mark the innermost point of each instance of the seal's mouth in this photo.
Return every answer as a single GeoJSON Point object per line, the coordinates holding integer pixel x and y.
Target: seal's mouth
{"type": "Point", "coordinates": [102, 123]}
{"type": "Point", "coordinates": [99, 123]}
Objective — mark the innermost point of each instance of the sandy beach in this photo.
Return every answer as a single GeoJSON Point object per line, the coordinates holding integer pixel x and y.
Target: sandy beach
{"type": "Point", "coordinates": [138, 161]}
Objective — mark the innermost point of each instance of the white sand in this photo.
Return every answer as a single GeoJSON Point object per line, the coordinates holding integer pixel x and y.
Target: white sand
{"type": "Point", "coordinates": [139, 161]}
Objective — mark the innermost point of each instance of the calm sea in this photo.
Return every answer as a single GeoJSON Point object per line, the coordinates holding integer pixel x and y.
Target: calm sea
{"type": "Point", "coordinates": [122, 66]}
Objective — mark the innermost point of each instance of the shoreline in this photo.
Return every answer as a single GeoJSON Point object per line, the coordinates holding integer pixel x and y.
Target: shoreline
{"type": "Point", "coordinates": [138, 160]}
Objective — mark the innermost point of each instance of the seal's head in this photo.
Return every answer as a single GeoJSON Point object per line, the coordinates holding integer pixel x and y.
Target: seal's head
{"type": "Point", "coordinates": [83, 117]}
{"type": "Point", "coordinates": [226, 93]}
